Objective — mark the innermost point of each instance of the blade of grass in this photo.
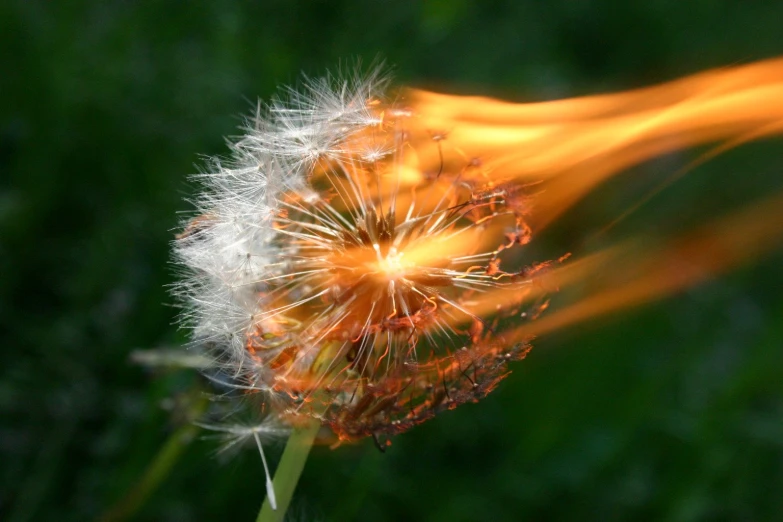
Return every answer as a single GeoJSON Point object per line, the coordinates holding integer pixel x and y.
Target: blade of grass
{"type": "Point", "coordinates": [157, 470]}
{"type": "Point", "coordinates": [160, 466]}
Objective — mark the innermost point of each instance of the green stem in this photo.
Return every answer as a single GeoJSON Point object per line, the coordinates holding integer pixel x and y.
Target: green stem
{"type": "Point", "coordinates": [157, 470]}
{"type": "Point", "coordinates": [161, 465]}
{"type": "Point", "coordinates": [288, 471]}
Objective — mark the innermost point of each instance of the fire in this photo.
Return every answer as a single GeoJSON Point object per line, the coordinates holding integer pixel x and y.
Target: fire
{"type": "Point", "coordinates": [634, 275]}
{"type": "Point", "coordinates": [573, 145]}
{"type": "Point", "coordinates": [379, 282]}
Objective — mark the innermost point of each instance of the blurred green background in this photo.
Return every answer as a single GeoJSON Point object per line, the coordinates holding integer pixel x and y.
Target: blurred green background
{"type": "Point", "coordinates": [672, 412]}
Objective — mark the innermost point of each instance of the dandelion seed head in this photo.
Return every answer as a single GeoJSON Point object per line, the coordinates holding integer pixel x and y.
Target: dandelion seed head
{"type": "Point", "coordinates": [334, 269]}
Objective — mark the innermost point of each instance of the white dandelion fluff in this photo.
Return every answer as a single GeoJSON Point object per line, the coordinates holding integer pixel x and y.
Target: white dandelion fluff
{"type": "Point", "coordinates": [228, 252]}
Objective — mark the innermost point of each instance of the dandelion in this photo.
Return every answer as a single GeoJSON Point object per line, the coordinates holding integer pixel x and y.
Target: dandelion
{"type": "Point", "coordinates": [334, 275]}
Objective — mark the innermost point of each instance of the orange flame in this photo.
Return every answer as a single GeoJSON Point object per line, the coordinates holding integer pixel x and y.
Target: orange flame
{"type": "Point", "coordinates": [575, 144]}
{"type": "Point", "coordinates": [570, 146]}
{"type": "Point", "coordinates": [636, 275]}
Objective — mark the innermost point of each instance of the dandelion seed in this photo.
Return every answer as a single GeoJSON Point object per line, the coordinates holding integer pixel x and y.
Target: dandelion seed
{"type": "Point", "coordinates": [270, 490]}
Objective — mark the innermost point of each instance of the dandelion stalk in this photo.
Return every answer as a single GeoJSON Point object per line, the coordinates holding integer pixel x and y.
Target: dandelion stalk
{"type": "Point", "coordinates": [288, 471]}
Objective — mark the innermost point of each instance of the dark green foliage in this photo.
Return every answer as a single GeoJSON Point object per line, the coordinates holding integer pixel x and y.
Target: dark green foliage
{"type": "Point", "coordinates": [673, 412]}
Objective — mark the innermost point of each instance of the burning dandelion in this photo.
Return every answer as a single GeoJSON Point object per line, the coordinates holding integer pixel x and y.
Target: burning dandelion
{"type": "Point", "coordinates": [358, 261]}
{"type": "Point", "coordinates": [335, 275]}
